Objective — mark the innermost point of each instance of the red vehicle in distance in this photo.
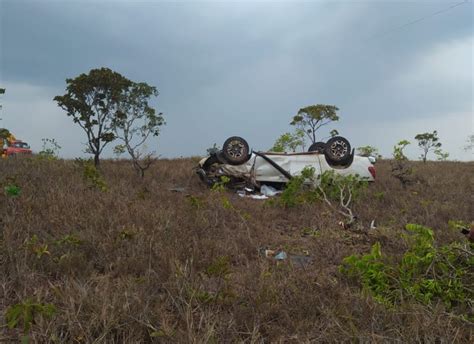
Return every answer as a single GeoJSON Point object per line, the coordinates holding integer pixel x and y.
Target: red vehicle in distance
{"type": "Point", "coordinates": [18, 147]}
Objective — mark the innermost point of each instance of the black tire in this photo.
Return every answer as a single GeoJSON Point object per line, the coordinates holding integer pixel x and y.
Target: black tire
{"type": "Point", "coordinates": [317, 147]}
{"type": "Point", "coordinates": [338, 150]}
{"type": "Point", "coordinates": [235, 150]}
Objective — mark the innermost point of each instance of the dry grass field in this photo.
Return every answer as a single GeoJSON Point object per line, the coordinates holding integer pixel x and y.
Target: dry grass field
{"type": "Point", "coordinates": [139, 263]}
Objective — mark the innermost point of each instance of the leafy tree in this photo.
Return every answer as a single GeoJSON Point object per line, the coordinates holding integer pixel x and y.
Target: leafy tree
{"type": "Point", "coordinates": [313, 117]}
{"type": "Point", "coordinates": [368, 151]}
{"type": "Point", "coordinates": [136, 121]}
{"type": "Point", "coordinates": [289, 142]}
{"type": "Point", "coordinates": [427, 142]}
{"type": "Point", "coordinates": [398, 150]}
{"type": "Point", "coordinates": [93, 101]}
{"type": "Point", "coordinates": [442, 156]}
{"type": "Point", "coordinates": [333, 133]}
{"type": "Point", "coordinates": [400, 167]}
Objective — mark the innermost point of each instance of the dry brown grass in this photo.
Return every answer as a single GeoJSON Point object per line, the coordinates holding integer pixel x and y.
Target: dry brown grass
{"type": "Point", "coordinates": [159, 266]}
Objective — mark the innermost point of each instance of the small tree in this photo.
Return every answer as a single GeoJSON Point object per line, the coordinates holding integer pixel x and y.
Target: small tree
{"type": "Point", "coordinates": [441, 156]}
{"type": "Point", "coordinates": [289, 142]}
{"type": "Point", "coordinates": [93, 100]}
{"type": "Point", "coordinates": [398, 150]}
{"type": "Point", "coordinates": [368, 151]}
{"type": "Point", "coordinates": [400, 168]}
{"type": "Point", "coordinates": [135, 122]}
{"type": "Point", "coordinates": [50, 150]}
{"type": "Point", "coordinates": [333, 133]}
{"type": "Point", "coordinates": [311, 118]}
{"type": "Point", "coordinates": [427, 142]}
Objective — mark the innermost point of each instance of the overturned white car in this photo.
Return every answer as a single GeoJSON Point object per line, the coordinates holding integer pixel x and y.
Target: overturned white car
{"type": "Point", "coordinates": [244, 167]}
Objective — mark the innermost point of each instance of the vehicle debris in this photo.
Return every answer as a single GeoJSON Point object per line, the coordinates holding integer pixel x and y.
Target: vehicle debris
{"type": "Point", "coordinates": [269, 191]}
{"type": "Point", "coordinates": [266, 192]}
{"type": "Point", "coordinates": [300, 261]}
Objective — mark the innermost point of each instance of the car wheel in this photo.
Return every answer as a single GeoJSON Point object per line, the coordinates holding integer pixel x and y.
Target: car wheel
{"type": "Point", "coordinates": [338, 149]}
{"type": "Point", "coordinates": [235, 150]}
{"type": "Point", "coordinates": [317, 147]}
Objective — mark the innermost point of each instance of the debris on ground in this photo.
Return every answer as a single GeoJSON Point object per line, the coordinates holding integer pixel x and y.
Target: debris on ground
{"type": "Point", "coordinates": [266, 192]}
{"type": "Point", "coordinates": [269, 191]}
{"type": "Point", "coordinates": [372, 224]}
{"type": "Point", "coordinates": [300, 261]}
{"type": "Point", "coordinates": [177, 189]}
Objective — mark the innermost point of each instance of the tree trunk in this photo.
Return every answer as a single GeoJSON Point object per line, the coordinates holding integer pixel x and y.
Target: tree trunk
{"type": "Point", "coordinates": [96, 160]}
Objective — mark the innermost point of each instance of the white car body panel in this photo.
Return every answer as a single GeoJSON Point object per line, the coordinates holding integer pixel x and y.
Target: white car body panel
{"type": "Point", "coordinates": [259, 169]}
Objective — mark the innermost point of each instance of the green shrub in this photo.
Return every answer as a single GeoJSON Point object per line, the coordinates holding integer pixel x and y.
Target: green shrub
{"type": "Point", "coordinates": [50, 149]}
{"type": "Point", "coordinates": [425, 273]}
{"type": "Point", "coordinates": [26, 312]}
{"type": "Point", "coordinates": [92, 175]}
{"type": "Point", "coordinates": [12, 190]}
{"type": "Point", "coordinates": [220, 185]}
{"type": "Point", "coordinates": [300, 189]}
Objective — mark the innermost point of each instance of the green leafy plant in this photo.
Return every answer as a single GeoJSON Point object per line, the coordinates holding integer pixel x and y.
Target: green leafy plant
{"type": "Point", "coordinates": [425, 273]}
{"type": "Point", "coordinates": [339, 192]}
{"type": "Point", "coordinates": [50, 149]}
{"type": "Point", "coordinates": [195, 202]}
{"type": "Point", "coordinates": [220, 267]}
{"type": "Point", "coordinates": [398, 153]}
{"type": "Point", "coordinates": [289, 142]}
{"type": "Point", "coordinates": [400, 167]}
{"type": "Point", "coordinates": [12, 190]}
{"type": "Point", "coordinates": [69, 239]}
{"type": "Point", "coordinates": [220, 185]}
{"type": "Point", "coordinates": [368, 151]}
{"type": "Point", "coordinates": [300, 189]}
{"type": "Point", "coordinates": [441, 155]}
{"type": "Point", "coordinates": [38, 249]}
{"type": "Point", "coordinates": [335, 190]}
{"type": "Point", "coordinates": [93, 177]}
{"type": "Point", "coordinates": [25, 313]}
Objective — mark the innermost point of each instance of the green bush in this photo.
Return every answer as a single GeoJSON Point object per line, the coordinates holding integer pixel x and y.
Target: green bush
{"type": "Point", "coordinates": [26, 313]}
{"type": "Point", "coordinates": [426, 273]}
{"type": "Point", "coordinates": [92, 175]}
{"type": "Point", "coordinates": [306, 188]}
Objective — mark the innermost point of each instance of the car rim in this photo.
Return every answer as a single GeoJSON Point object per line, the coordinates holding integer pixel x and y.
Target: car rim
{"type": "Point", "coordinates": [235, 149]}
{"type": "Point", "coordinates": [339, 149]}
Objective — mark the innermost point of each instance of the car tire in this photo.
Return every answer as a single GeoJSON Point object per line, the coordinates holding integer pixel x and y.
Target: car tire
{"type": "Point", "coordinates": [317, 147]}
{"type": "Point", "coordinates": [235, 150]}
{"type": "Point", "coordinates": [337, 150]}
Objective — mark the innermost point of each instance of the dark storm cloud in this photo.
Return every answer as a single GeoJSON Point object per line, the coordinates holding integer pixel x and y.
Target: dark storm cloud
{"type": "Point", "coordinates": [245, 68]}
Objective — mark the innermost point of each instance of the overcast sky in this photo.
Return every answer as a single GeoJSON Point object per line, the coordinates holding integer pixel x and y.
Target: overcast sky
{"type": "Point", "coordinates": [394, 68]}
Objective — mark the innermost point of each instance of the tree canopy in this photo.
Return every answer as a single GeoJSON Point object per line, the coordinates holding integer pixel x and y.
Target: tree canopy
{"type": "Point", "coordinates": [428, 142]}
{"type": "Point", "coordinates": [93, 100]}
{"type": "Point", "coordinates": [135, 121]}
{"type": "Point", "coordinates": [311, 118]}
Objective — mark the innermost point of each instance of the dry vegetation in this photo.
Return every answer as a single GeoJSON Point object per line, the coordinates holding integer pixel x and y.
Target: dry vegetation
{"type": "Point", "coordinates": [140, 263]}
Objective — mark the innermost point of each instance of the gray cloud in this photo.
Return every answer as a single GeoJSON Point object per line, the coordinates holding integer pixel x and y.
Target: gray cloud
{"type": "Point", "coordinates": [245, 68]}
